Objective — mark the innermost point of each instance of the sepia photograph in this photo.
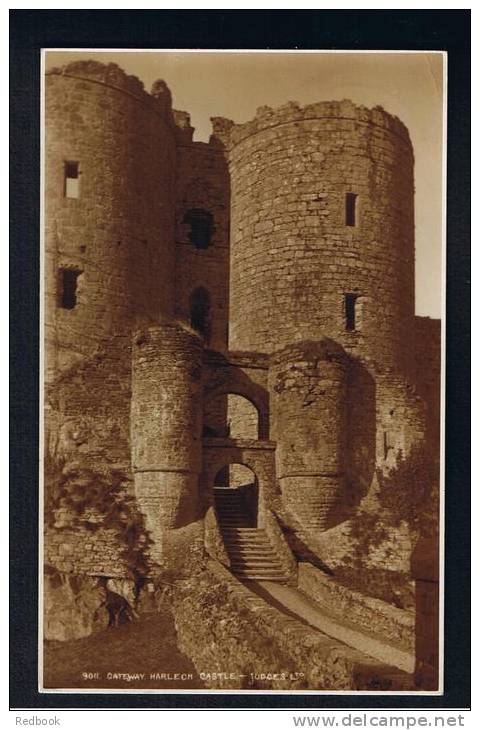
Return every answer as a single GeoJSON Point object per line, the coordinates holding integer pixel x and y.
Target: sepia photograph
{"type": "Point", "coordinates": [242, 306]}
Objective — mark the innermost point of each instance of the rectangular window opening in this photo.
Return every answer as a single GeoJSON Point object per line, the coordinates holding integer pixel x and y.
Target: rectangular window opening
{"type": "Point", "coordinates": [350, 313]}
{"type": "Point", "coordinates": [68, 280]}
{"type": "Point", "coordinates": [351, 209]}
{"type": "Point", "coordinates": [72, 180]}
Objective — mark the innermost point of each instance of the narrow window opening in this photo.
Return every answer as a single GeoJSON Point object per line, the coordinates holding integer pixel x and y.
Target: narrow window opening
{"type": "Point", "coordinates": [200, 312]}
{"type": "Point", "coordinates": [72, 180]}
{"type": "Point", "coordinates": [68, 288]}
{"type": "Point", "coordinates": [201, 227]}
{"type": "Point", "coordinates": [385, 445]}
{"type": "Point", "coordinates": [350, 209]}
{"type": "Point", "coordinates": [350, 312]}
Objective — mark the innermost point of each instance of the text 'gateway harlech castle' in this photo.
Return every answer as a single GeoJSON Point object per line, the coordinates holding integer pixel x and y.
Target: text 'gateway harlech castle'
{"type": "Point", "coordinates": [230, 330]}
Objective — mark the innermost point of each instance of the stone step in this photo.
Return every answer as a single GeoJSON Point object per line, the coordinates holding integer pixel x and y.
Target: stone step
{"type": "Point", "coordinates": [244, 532]}
{"type": "Point", "coordinates": [259, 575]}
{"type": "Point", "coordinates": [247, 541]}
{"type": "Point", "coordinates": [252, 530]}
{"type": "Point", "coordinates": [239, 540]}
{"type": "Point", "coordinates": [256, 564]}
{"type": "Point", "coordinates": [242, 549]}
{"type": "Point", "coordinates": [263, 559]}
{"type": "Point", "coordinates": [229, 512]}
{"type": "Point", "coordinates": [223, 514]}
{"type": "Point", "coordinates": [229, 498]}
{"type": "Point", "coordinates": [244, 521]}
{"type": "Point", "coordinates": [252, 556]}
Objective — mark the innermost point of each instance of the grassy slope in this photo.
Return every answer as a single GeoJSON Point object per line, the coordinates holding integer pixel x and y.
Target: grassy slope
{"type": "Point", "coordinates": [143, 646]}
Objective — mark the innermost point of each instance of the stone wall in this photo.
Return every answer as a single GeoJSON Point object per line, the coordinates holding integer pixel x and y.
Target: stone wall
{"type": "Point", "coordinates": [293, 258]}
{"type": "Point", "coordinates": [426, 572]}
{"type": "Point", "coordinates": [117, 235]}
{"type": "Point", "coordinates": [361, 434]}
{"type": "Point", "coordinates": [427, 372]}
{"type": "Point", "coordinates": [92, 522]}
{"type": "Point", "coordinates": [73, 607]}
{"type": "Point", "coordinates": [202, 183]}
{"type": "Point", "coordinates": [88, 494]}
{"type": "Point", "coordinates": [87, 411]}
{"type": "Point", "coordinates": [390, 624]}
{"type": "Point", "coordinates": [242, 642]}
{"type": "Point", "coordinates": [79, 551]}
{"type": "Point", "coordinates": [401, 420]}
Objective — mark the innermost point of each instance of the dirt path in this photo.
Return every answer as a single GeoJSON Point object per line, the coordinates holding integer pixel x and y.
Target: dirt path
{"type": "Point", "coordinates": [144, 647]}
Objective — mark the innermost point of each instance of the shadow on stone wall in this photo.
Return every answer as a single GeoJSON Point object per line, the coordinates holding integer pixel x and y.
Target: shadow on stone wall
{"type": "Point", "coordinates": [360, 437]}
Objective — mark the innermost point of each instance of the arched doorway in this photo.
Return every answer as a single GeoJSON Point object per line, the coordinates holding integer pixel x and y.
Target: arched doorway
{"type": "Point", "coordinates": [200, 305]}
{"type": "Point", "coordinates": [231, 415]}
{"type": "Point", "coordinates": [235, 488]}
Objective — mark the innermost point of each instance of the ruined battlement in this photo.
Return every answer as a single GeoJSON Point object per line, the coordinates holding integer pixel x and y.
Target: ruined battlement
{"type": "Point", "coordinates": [110, 75]}
{"type": "Point", "coordinates": [231, 134]}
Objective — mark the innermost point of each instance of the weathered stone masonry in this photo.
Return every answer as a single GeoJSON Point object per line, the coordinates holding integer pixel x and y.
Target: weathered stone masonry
{"type": "Point", "coordinates": [249, 301]}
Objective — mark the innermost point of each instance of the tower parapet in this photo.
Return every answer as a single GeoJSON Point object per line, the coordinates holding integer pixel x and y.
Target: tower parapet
{"type": "Point", "coordinates": [232, 134]}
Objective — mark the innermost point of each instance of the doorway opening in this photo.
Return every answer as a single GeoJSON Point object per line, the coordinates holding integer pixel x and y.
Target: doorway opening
{"type": "Point", "coordinates": [236, 496]}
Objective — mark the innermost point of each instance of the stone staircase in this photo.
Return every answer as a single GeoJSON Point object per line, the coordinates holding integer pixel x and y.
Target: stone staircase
{"type": "Point", "coordinates": [252, 556]}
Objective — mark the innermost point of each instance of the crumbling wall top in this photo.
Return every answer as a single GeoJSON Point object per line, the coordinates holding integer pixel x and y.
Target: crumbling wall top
{"type": "Point", "coordinates": [230, 134]}
{"type": "Point", "coordinates": [109, 74]}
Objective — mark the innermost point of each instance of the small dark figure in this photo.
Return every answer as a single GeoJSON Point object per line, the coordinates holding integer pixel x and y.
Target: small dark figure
{"type": "Point", "coordinates": [119, 609]}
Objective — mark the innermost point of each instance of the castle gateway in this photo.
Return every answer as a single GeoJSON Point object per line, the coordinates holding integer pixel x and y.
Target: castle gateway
{"type": "Point", "coordinates": [234, 369]}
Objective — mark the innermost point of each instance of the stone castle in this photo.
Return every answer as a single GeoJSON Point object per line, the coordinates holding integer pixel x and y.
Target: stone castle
{"type": "Point", "coordinates": [230, 327]}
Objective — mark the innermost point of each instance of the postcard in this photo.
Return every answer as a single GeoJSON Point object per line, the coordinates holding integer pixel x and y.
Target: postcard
{"type": "Point", "coordinates": [242, 306]}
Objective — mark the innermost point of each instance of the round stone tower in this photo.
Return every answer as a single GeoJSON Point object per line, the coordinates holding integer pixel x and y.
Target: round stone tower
{"type": "Point", "coordinates": [307, 384]}
{"type": "Point", "coordinates": [109, 209]}
{"type": "Point", "coordinates": [322, 232]}
{"type": "Point", "coordinates": [166, 428]}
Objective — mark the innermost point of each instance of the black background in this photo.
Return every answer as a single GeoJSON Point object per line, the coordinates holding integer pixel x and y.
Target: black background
{"type": "Point", "coordinates": [31, 30]}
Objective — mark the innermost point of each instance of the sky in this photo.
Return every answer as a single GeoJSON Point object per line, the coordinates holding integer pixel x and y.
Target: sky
{"type": "Point", "coordinates": [233, 85]}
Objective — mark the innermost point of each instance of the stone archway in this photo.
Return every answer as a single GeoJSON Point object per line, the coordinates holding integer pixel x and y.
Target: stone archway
{"type": "Point", "coordinates": [258, 456]}
{"type": "Point", "coordinates": [235, 489]}
{"type": "Point", "coordinates": [228, 414]}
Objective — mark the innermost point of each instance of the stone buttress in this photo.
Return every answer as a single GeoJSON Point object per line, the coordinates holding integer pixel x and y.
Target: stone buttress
{"type": "Point", "coordinates": [307, 383]}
